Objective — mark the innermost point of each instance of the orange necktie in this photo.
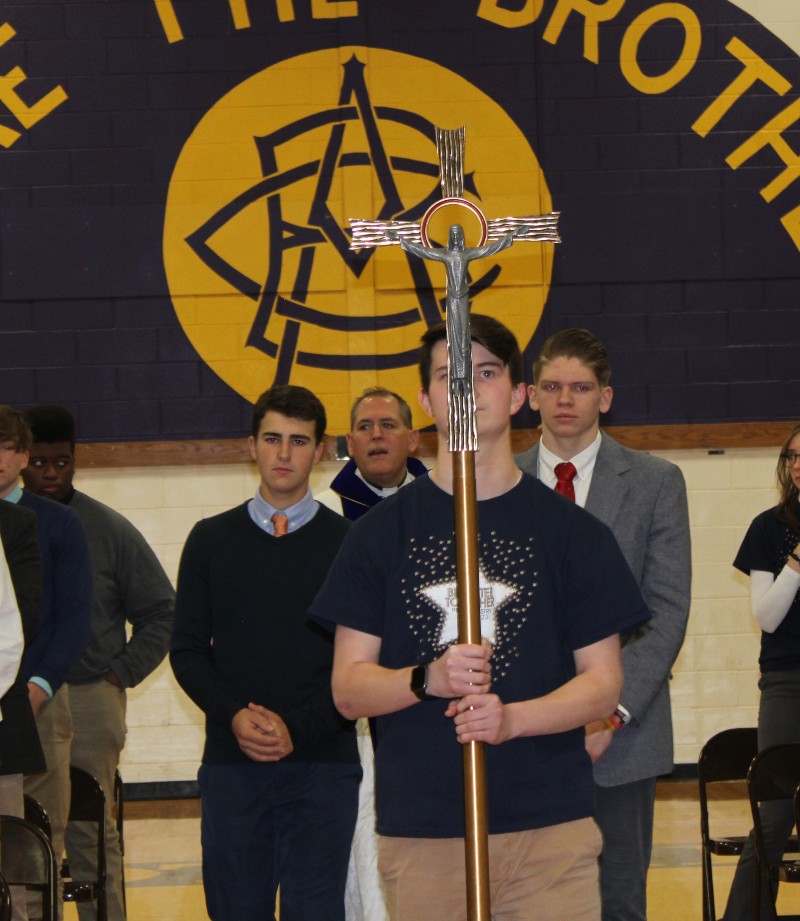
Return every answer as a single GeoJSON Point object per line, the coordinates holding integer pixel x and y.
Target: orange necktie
{"type": "Point", "coordinates": [565, 474]}
{"type": "Point", "coordinates": [280, 524]}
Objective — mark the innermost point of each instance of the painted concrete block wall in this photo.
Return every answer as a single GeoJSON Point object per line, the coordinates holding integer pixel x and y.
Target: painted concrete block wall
{"type": "Point", "coordinates": [715, 678]}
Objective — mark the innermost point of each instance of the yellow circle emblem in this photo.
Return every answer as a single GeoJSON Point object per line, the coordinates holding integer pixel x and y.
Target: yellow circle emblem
{"type": "Point", "coordinates": [256, 231]}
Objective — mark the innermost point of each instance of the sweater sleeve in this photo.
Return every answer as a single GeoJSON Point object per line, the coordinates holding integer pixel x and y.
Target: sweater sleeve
{"type": "Point", "coordinates": [148, 601]}
{"type": "Point", "coordinates": [191, 653]}
{"type": "Point", "coordinates": [315, 719]}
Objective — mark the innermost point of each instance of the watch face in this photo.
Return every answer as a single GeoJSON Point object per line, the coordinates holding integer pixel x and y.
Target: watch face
{"type": "Point", "coordinates": [419, 679]}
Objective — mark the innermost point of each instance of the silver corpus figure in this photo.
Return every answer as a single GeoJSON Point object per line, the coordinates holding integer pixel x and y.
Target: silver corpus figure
{"type": "Point", "coordinates": [456, 258]}
{"type": "Point", "coordinates": [463, 434]}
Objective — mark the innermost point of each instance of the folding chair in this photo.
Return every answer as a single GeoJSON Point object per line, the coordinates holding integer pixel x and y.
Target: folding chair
{"type": "Point", "coordinates": [36, 814]}
{"type": "Point", "coordinates": [725, 757]}
{"type": "Point", "coordinates": [119, 809]}
{"type": "Point", "coordinates": [5, 900]}
{"type": "Point", "coordinates": [27, 859]}
{"type": "Point", "coordinates": [797, 809]}
{"type": "Point", "coordinates": [88, 804]}
{"type": "Point", "coordinates": [773, 775]}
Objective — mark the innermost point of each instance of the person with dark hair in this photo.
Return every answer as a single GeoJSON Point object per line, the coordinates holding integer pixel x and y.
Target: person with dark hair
{"type": "Point", "coordinates": [129, 586]}
{"type": "Point", "coordinates": [770, 555]}
{"type": "Point", "coordinates": [380, 441]}
{"type": "Point", "coordinates": [294, 402]}
{"type": "Point", "coordinates": [64, 626]}
{"type": "Point", "coordinates": [555, 595]}
{"type": "Point", "coordinates": [280, 773]}
{"type": "Point", "coordinates": [643, 500]}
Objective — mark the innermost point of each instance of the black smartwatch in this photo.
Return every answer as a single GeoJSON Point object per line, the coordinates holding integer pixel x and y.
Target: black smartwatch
{"type": "Point", "coordinates": [419, 682]}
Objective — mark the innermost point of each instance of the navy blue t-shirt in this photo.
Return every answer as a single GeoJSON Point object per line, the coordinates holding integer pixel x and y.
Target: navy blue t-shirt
{"type": "Point", "coordinates": [765, 548]}
{"type": "Point", "coordinates": [552, 580]}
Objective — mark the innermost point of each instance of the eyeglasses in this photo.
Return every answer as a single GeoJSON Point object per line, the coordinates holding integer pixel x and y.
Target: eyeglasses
{"type": "Point", "coordinates": [790, 458]}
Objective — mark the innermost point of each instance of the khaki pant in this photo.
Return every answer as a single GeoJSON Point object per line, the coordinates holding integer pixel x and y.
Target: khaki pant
{"type": "Point", "coordinates": [11, 803]}
{"type": "Point", "coordinates": [550, 874]}
{"type": "Point", "coordinates": [98, 723]}
{"type": "Point", "coordinates": [51, 788]}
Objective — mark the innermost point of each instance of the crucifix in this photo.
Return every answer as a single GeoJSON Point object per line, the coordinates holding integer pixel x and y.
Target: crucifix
{"type": "Point", "coordinates": [495, 235]}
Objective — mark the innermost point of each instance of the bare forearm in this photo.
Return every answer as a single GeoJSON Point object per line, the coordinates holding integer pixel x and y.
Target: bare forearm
{"type": "Point", "coordinates": [368, 689]}
{"type": "Point", "coordinates": [585, 698]}
{"type": "Point", "coordinates": [364, 688]}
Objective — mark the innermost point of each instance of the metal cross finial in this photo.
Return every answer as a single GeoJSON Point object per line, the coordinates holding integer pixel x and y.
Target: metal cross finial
{"type": "Point", "coordinates": [413, 238]}
{"type": "Point", "coordinates": [450, 143]}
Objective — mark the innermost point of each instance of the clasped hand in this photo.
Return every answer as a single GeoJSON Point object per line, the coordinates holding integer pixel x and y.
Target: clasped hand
{"type": "Point", "coordinates": [262, 734]}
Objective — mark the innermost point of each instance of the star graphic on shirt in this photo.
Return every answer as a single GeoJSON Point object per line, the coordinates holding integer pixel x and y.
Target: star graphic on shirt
{"type": "Point", "coordinates": [492, 594]}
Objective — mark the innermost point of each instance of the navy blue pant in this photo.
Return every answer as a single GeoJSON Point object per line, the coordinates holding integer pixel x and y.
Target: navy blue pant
{"type": "Point", "coordinates": [280, 824]}
{"type": "Point", "coordinates": [625, 817]}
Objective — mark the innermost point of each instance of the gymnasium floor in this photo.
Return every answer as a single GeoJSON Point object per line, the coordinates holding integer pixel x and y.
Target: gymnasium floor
{"type": "Point", "coordinates": [162, 860]}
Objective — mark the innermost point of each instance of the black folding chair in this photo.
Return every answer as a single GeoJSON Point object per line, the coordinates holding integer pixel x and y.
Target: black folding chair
{"type": "Point", "coordinates": [773, 775]}
{"type": "Point", "coordinates": [797, 809]}
{"type": "Point", "coordinates": [36, 814]}
{"type": "Point", "coordinates": [119, 809]}
{"type": "Point", "coordinates": [5, 900]}
{"type": "Point", "coordinates": [88, 804]}
{"type": "Point", "coordinates": [27, 859]}
{"type": "Point", "coordinates": [725, 757]}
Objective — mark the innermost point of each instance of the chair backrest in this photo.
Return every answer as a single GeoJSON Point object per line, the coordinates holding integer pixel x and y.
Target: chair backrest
{"type": "Point", "coordinates": [5, 900]}
{"type": "Point", "coordinates": [88, 804]}
{"type": "Point", "coordinates": [797, 809]}
{"type": "Point", "coordinates": [774, 774]}
{"type": "Point", "coordinates": [36, 814]}
{"type": "Point", "coordinates": [725, 756]}
{"type": "Point", "coordinates": [119, 803]}
{"type": "Point", "coordinates": [27, 859]}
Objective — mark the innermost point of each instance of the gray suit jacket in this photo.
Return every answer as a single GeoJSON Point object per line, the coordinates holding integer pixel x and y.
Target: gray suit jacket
{"type": "Point", "coordinates": [643, 500]}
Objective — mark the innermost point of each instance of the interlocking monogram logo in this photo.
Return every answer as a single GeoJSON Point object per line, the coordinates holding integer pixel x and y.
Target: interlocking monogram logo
{"type": "Point", "coordinates": [256, 240]}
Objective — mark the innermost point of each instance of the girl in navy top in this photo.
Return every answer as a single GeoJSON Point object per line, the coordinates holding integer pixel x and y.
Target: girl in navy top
{"type": "Point", "coordinates": [770, 555]}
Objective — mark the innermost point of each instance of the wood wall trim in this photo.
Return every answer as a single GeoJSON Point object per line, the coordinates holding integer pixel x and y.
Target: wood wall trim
{"type": "Point", "coordinates": [212, 452]}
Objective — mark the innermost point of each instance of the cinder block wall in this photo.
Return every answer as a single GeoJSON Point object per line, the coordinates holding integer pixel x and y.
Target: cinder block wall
{"type": "Point", "coordinates": [715, 679]}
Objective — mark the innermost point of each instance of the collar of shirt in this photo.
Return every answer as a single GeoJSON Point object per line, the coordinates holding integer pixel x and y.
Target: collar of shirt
{"type": "Point", "coordinates": [584, 465]}
{"type": "Point", "coordinates": [300, 513]}
{"type": "Point", "coordinates": [15, 495]}
{"type": "Point", "coordinates": [388, 490]}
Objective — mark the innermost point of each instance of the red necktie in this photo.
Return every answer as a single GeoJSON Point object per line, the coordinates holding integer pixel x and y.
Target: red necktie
{"type": "Point", "coordinates": [565, 474]}
{"type": "Point", "coordinates": [280, 524]}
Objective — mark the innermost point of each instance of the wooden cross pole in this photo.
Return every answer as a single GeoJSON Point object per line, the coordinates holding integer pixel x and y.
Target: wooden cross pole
{"type": "Point", "coordinates": [462, 434]}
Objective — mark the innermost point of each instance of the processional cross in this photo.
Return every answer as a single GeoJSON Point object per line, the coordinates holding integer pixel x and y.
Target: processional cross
{"type": "Point", "coordinates": [413, 238]}
{"type": "Point", "coordinates": [462, 432]}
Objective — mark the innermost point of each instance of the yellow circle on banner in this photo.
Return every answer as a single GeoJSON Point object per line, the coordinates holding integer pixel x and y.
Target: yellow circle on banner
{"type": "Point", "coordinates": [256, 229]}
